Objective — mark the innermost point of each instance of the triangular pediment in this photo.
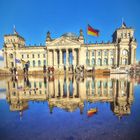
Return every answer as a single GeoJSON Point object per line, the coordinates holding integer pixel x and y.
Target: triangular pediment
{"type": "Point", "coordinates": [63, 41]}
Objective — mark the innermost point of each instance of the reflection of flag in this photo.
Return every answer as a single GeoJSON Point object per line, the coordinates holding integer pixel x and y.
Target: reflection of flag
{"type": "Point", "coordinates": [91, 112]}
{"type": "Point", "coordinates": [92, 31]}
{"type": "Point", "coordinates": [17, 60]}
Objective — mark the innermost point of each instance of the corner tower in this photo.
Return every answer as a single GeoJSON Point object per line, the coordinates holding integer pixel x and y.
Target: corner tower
{"type": "Point", "coordinates": [126, 45]}
{"type": "Point", "coordinates": [12, 43]}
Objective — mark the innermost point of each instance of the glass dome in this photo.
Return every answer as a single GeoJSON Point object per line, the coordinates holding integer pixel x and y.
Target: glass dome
{"type": "Point", "coordinates": [70, 35]}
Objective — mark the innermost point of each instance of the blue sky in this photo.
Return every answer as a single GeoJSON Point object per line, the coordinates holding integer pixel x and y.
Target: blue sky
{"type": "Point", "coordinates": [33, 18]}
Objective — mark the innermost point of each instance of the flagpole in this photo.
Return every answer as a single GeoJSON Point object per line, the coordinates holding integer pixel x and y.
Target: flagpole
{"type": "Point", "coordinates": [87, 44]}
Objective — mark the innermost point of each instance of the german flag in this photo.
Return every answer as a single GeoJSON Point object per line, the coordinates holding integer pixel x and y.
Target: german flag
{"type": "Point", "coordinates": [92, 31]}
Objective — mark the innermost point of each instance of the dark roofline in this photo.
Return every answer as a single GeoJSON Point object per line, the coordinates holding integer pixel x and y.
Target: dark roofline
{"type": "Point", "coordinates": [15, 35]}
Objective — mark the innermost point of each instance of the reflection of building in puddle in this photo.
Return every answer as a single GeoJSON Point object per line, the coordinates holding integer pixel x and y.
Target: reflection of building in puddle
{"type": "Point", "coordinates": [69, 93]}
{"type": "Point", "coordinates": [69, 105]}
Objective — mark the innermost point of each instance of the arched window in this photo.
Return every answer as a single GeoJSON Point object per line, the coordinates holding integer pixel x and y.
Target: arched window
{"type": "Point", "coordinates": [105, 61]}
{"type": "Point", "coordinates": [38, 55]}
{"type": "Point", "coordinates": [105, 53]}
{"type": "Point", "coordinates": [44, 62]}
{"type": "Point", "coordinates": [105, 84]}
{"type": "Point", "coordinates": [93, 84]}
{"type": "Point", "coordinates": [125, 52]}
{"type": "Point", "coordinates": [33, 55]}
{"type": "Point", "coordinates": [125, 35]}
{"type": "Point", "coordinates": [11, 55]}
{"type": "Point", "coordinates": [87, 85]}
{"type": "Point", "coordinates": [33, 63]}
{"type": "Point", "coordinates": [44, 55]}
{"type": "Point", "coordinates": [93, 61]}
{"type": "Point", "coordinates": [99, 62]}
{"type": "Point", "coordinates": [40, 84]}
{"type": "Point", "coordinates": [34, 84]}
{"type": "Point", "coordinates": [111, 52]}
{"type": "Point", "coordinates": [110, 84]}
{"type": "Point", "coordinates": [124, 61]}
{"type": "Point", "coordinates": [93, 53]}
{"type": "Point", "coordinates": [39, 63]}
{"type": "Point", "coordinates": [112, 61]}
{"type": "Point", "coordinates": [99, 53]}
{"type": "Point", "coordinates": [122, 35]}
{"type": "Point", "coordinates": [99, 84]}
{"type": "Point", "coordinates": [86, 53]}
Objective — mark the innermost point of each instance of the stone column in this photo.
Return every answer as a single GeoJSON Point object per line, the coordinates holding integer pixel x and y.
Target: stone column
{"type": "Point", "coordinates": [95, 57]}
{"type": "Point", "coordinates": [90, 57]}
{"type": "Point", "coordinates": [114, 89]}
{"type": "Point", "coordinates": [108, 90]}
{"type": "Point", "coordinates": [68, 87]}
{"type": "Point", "coordinates": [120, 59]}
{"type": "Point", "coordinates": [61, 87]}
{"type": "Point", "coordinates": [74, 88]}
{"type": "Point", "coordinates": [96, 88]}
{"type": "Point", "coordinates": [108, 51]}
{"type": "Point", "coordinates": [67, 58]}
{"type": "Point", "coordinates": [102, 88]}
{"type": "Point", "coordinates": [60, 59]}
{"type": "Point", "coordinates": [77, 55]}
{"type": "Point", "coordinates": [132, 55]}
{"type": "Point", "coordinates": [116, 57]}
{"type": "Point", "coordinates": [74, 57]}
{"type": "Point", "coordinates": [102, 57]}
{"type": "Point", "coordinates": [55, 58]}
{"type": "Point", "coordinates": [134, 60]}
{"type": "Point", "coordinates": [131, 91]}
{"type": "Point", "coordinates": [14, 57]}
{"type": "Point", "coordinates": [49, 58]}
{"type": "Point", "coordinates": [5, 60]}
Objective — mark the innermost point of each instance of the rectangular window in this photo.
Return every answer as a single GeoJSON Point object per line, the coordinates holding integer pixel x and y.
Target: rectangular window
{"type": "Point", "coordinates": [38, 55]}
{"type": "Point", "coordinates": [34, 84]}
{"type": "Point", "coordinates": [44, 62]}
{"type": "Point", "coordinates": [40, 84]}
{"type": "Point", "coordinates": [92, 53]}
{"type": "Point", "coordinates": [33, 63]}
{"type": "Point", "coordinates": [33, 56]}
{"type": "Point", "coordinates": [125, 35]}
{"type": "Point", "coordinates": [87, 53]}
{"type": "Point", "coordinates": [39, 63]}
{"type": "Point", "coordinates": [11, 55]}
{"type": "Point", "coordinates": [44, 55]}
{"type": "Point", "coordinates": [22, 56]}
{"type": "Point", "coordinates": [99, 53]}
{"type": "Point", "coordinates": [27, 55]}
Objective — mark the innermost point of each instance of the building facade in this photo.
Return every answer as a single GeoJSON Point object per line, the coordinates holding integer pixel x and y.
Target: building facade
{"type": "Point", "coordinates": [70, 51]}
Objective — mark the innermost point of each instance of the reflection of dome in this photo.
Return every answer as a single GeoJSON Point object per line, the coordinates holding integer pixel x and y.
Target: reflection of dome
{"type": "Point", "coordinates": [70, 35]}
{"type": "Point", "coordinates": [69, 105]}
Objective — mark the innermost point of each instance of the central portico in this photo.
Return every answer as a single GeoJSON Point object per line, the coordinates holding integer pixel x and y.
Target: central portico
{"type": "Point", "coordinates": [64, 51]}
